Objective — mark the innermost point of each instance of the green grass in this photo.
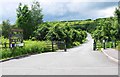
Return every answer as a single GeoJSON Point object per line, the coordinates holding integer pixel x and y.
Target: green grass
{"type": "Point", "coordinates": [2, 41]}
{"type": "Point", "coordinates": [30, 47]}
{"type": "Point", "coordinates": [108, 45]}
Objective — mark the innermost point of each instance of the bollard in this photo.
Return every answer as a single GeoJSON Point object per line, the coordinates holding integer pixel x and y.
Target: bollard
{"type": "Point", "coordinates": [94, 45]}
{"type": "Point", "coordinates": [103, 44]}
{"type": "Point", "coordinates": [52, 47]}
{"type": "Point", "coordinates": [115, 44]}
{"type": "Point", "coordinates": [65, 47]}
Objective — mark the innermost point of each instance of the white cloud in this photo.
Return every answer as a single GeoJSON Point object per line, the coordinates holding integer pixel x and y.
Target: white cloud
{"type": "Point", "coordinates": [79, 8]}
{"type": "Point", "coordinates": [108, 12]}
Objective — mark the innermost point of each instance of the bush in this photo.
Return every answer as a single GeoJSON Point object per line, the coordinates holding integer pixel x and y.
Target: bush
{"type": "Point", "coordinates": [36, 46]}
{"type": "Point", "coordinates": [118, 47]}
{"type": "Point", "coordinates": [76, 43]}
{"type": "Point", "coordinates": [31, 47]}
{"type": "Point", "coordinates": [5, 53]}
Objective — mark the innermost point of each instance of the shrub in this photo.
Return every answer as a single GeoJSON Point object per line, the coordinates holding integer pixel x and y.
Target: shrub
{"type": "Point", "coordinates": [5, 53]}
{"type": "Point", "coordinates": [118, 47]}
{"type": "Point", "coordinates": [76, 43]}
{"type": "Point", "coordinates": [31, 47]}
{"type": "Point", "coordinates": [60, 32]}
{"type": "Point", "coordinates": [36, 46]}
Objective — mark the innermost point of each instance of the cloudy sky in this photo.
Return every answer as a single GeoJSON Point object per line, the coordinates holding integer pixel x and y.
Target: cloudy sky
{"type": "Point", "coordinates": [55, 10]}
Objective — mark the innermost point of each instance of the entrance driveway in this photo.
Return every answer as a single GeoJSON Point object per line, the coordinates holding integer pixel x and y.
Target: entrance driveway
{"type": "Point", "coordinates": [81, 60]}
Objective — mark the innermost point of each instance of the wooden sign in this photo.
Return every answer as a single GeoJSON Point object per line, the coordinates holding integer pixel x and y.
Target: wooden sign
{"type": "Point", "coordinates": [16, 38]}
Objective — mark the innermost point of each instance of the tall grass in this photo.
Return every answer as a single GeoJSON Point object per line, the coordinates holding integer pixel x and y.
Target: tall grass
{"type": "Point", "coordinates": [30, 47]}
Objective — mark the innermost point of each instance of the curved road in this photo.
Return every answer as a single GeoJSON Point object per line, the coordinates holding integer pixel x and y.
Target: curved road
{"type": "Point", "coordinates": [81, 60]}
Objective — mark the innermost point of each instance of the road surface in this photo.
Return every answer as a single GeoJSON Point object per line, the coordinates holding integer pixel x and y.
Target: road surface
{"type": "Point", "coordinates": [81, 60]}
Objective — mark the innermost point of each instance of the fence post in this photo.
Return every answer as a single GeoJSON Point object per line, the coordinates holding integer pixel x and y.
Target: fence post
{"type": "Point", "coordinates": [52, 46]}
{"type": "Point", "coordinates": [94, 45]}
{"type": "Point", "coordinates": [115, 43]}
{"type": "Point", "coordinates": [104, 44]}
{"type": "Point", "coordinates": [65, 46]}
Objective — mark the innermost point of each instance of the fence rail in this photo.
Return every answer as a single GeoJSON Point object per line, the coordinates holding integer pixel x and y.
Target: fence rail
{"type": "Point", "coordinates": [57, 45]}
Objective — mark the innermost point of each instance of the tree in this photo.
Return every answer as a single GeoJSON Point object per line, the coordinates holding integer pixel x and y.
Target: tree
{"type": "Point", "coordinates": [36, 14]}
{"type": "Point", "coordinates": [24, 20]}
{"type": "Point", "coordinates": [28, 19]}
{"type": "Point", "coordinates": [6, 28]}
{"type": "Point", "coordinates": [56, 33]}
{"type": "Point", "coordinates": [41, 32]}
{"type": "Point", "coordinates": [117, 14]}
{"type": "Point", "coordinates": [105, 29]}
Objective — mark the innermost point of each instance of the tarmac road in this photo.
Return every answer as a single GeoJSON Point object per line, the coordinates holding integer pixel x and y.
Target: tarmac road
{"type": "Point", "coordinates": [81, 60]}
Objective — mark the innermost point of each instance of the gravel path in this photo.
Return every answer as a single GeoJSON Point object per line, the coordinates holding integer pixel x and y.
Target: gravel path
{"type": "Point", "coordinates": [81, 60]}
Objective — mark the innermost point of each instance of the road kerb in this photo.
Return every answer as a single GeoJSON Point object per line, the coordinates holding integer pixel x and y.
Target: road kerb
{"type": "Point", "coordinates": [114, 59]}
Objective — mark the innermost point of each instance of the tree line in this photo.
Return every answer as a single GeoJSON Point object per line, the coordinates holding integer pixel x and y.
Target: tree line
{"type": "Point", "coordinates": [30, 19]}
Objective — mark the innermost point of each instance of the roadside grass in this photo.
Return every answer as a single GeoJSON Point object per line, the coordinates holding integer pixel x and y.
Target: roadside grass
{"type": "Point", "coordinates": [100, 45]}
{"type": "Point", "coordinates": [30, 47]}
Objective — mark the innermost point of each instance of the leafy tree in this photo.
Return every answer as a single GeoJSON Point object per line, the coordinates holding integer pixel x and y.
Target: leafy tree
{"type": "Point", "coordinates": [64, 32]}
{"type": "Point", "coordinates": [6, 28]}
{"type": "Point", "coordinates": [24, 20]}
{"type": "Point", "coordinates": [117, 14]}
{"type": "Point", "coordinates": [28, 19]}
{"type": "Point", "coordinates": [42, 31]}
{"type": "Point", "coordinates": [56, 33]}
{"type": "Point", "coordinates": [36, 14]}
{"type": "Point", "coordinates": [105, 29]}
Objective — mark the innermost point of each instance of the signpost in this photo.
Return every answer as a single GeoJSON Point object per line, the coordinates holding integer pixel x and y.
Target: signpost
{"type": "Point", "coordinates": [16, 38]}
